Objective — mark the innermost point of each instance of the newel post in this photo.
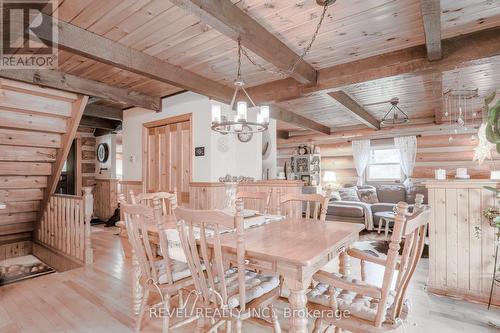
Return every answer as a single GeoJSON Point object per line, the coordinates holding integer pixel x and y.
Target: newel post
{"type": "Point", "coordinates": [88, 202]}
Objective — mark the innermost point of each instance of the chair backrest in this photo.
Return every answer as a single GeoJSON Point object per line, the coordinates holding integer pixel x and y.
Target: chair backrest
{"type": "Point", "coordinates": [260, 199]}
{"type": "Point", "coordinates": [293, 205]}
{"type": "Point", "coordinates": [166, 199]}
{"type": "Point", "coordinates": [137, 219]}
{"type": "Point", "coordinates": [200, 238]}
{"type": "Point", "coordinates": [413, 228]}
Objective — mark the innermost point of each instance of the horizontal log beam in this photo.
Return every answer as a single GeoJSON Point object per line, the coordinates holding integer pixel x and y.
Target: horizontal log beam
{"type": "Point", "coordinates": [355, 109]}
{"type": "Point", "coordinates": [62, 81]}
{"type": "Point", "coordinates": [458, 52]}
{"type": "Point", "coordinates": [431, 17]}
{"type": "Point", "coordinates": [94, 122]}
{"type": "Point", "coordinates": [231, 21]}
{"type": "Point", "coordinates": [102, 111]}
{"type": "Point", "coordinates": [87, 44]}
{"type": "Point", "coordinates": [294, 119]}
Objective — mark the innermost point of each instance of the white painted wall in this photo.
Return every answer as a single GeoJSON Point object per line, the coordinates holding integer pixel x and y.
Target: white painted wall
{"type": "Point", "coordinates": [110, 164]}
{"type": "Point", "coordinates": [241, 158]}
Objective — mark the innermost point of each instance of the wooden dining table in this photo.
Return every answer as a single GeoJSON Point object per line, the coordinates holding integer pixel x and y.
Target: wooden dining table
{"type": "Point", "coordinates": [295, 249]}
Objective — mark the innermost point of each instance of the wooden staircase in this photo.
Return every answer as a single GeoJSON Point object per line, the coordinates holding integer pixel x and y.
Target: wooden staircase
{"type": "Point", "coordinates": [37, 128]}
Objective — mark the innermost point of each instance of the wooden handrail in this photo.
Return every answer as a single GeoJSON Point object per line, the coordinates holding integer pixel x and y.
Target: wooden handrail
{"type": "Point", "coordinates": [65, 225]}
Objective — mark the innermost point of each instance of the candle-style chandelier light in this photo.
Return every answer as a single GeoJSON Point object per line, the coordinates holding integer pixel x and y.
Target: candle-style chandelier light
{"type": "Point", "coordinates": [239, 123]}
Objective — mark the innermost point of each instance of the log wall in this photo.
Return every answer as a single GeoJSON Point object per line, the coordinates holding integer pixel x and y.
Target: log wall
{"type": "Point", "coordinates": [434, 151]}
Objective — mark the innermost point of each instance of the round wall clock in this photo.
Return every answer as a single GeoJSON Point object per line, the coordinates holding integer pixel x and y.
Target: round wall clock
{"type": "Point", "coordinates": [102, 152]}
{"type": "Point", "coordinates": [245, 135]}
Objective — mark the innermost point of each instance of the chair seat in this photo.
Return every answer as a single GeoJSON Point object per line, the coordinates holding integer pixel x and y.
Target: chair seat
{"type": "Point", "coordinates": [180, 270]}
{"type": "Point", "coordinates": [256, 285]}
{"type": "Point", "coordinates": [360, 306]}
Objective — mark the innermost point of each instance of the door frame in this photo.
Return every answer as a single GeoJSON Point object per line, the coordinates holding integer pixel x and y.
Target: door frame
{"type": "Point", "coordinates": [163, 122]}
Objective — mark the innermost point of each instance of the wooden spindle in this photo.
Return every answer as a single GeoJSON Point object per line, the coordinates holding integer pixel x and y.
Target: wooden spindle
{"type": "Point", "coordinates": [88, 201]}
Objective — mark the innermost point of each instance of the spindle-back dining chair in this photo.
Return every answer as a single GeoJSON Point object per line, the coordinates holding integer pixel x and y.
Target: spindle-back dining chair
{"type": "Point", "coordinates": [294, 205]}
{"type": "Point", "coordinates": [157, 273]}
{"type": "Point", "coordinates": [260, 199]}
{"type": "Point", "coordinates": [219, 285]}
{"type": "Point", "coordinates": [372, 308]}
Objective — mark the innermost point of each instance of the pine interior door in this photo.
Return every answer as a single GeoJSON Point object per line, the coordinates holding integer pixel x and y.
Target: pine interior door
{"type": "Point", "coordinates": [169, 159]}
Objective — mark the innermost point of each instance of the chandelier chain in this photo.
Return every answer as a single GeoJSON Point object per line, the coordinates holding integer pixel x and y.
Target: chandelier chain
{"type": "Point", "coordinates": [299, 59]}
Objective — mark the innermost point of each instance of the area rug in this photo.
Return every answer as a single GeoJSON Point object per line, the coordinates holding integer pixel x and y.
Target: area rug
{"type": "Point", "coordinates": [377, 245]}
{"type": "Point", "coordinates": [21, 268]}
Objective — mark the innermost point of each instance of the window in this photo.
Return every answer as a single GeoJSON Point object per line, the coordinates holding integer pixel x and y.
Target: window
{"type": "Point", "coordinates": [384, 165]}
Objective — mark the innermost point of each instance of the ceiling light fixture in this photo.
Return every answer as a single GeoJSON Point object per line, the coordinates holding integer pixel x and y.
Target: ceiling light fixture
{"type": "Point", "coordinates": [398, 116]}
{"type": "Point", "coordinates": [239, 124]}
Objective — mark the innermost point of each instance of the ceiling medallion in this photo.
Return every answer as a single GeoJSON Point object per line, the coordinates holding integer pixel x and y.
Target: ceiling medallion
{"type": "Point", "coordinates": [398, 116]}
{"type": "Point", "coordinates": [239, 123]}
{"type": "Point", "coordinates": [325, 2]}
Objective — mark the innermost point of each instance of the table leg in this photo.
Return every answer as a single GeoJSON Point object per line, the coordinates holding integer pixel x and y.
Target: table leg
{"type": "Point", "coordinates": [380, 222]}
{"type": "Point", "coordinates": [386, 228]}
{"type": "Point", "coordinates": [344, 264]}
{"type": "Point", "coordinates": [138, 292]}
{"type": "Point", "coordinates": [298, 302]}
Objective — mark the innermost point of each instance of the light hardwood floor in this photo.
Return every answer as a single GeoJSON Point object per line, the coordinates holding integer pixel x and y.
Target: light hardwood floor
{"type": "Point", "coordinates": [98, 299]}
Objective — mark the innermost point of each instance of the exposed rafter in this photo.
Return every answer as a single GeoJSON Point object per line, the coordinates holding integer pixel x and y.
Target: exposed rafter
{"type": "Point", "coordinates": [95, 122]}
{"type": "Point", "coordinates": [431, 16]}
{"type": "Point", "coordinates": [104, 112]}
{"type": "Point", "coordinates": [355, 109]}
{"type": "Point", "coordinates": [63, 81]}
{"type": "Point", "coordinates": [87, 44]}
{"type": "Point", "coordinates": [279, 113]}
{"type": "Point", "coordinates": [231, 21]}
{"type": "Point", "coordinates": [458, 52]}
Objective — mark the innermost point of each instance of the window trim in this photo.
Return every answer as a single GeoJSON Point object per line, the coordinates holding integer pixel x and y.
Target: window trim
{"type": "Point", "coordinates": [367, 173]}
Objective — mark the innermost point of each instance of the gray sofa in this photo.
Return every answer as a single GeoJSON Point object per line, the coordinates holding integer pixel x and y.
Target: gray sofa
{"type": "Point", "coordinates": [360, 212]}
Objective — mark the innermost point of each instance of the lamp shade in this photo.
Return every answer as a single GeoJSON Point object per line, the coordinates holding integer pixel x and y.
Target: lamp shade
{"type": "Point", "coordinates": [216, 113]}
{"type": "Point", "coordinates": [329, 177]}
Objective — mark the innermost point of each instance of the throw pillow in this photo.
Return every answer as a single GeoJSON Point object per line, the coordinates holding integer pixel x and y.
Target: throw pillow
{"type": "Point", "coordinates": [335, 196]}
{"type": "Point", "coordinates": [349, 194]}
{"type": "Point", "coordinates": [368, 195]}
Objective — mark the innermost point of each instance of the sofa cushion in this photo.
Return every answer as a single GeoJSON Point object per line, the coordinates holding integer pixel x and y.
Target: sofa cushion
{"type": "Point", "coordinates": [368, 195]}
{"type": "Point", "coordinates": [337, 209]}
{"type": "Point", "coordinates": [391, 193]}
{"type": "Point", "coordinates": [349, 194]}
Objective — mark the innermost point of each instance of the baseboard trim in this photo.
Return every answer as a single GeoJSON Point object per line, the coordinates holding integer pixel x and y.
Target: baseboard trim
{"type": "Point", "coordinates": [57, 260]}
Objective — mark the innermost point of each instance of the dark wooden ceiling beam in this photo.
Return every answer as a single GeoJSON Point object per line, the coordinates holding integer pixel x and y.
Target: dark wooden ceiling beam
{"type": "Point", "coordinates": [94, 122]}
{"type": "Point", "coordinates": [355, 109]}
{"type": "Point", "coordinates": [87, 44]}
{"type": "Point", "coordinates": [102, 111]}
{"type": "Point", "coordinates": [292, 118]}
{"type": "Point", "coordinates": [458, 52]}
{"type": "Point", "coordinates": [231, 21]}
{"type": "Point", "coordinates": [58, 80]}
{"type": "Point", "coordinates": [431, 16]}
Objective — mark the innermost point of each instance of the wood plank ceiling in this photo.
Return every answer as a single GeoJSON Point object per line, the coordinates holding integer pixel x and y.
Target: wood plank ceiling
{"type": "Point", "coordinates": [352, 30]}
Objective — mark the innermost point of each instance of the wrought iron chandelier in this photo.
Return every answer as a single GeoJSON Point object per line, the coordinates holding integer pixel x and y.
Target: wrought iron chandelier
{"type": "Point", "coordinates": [398, 116]}
{"type": "Point", "coordinates": [239, 124]}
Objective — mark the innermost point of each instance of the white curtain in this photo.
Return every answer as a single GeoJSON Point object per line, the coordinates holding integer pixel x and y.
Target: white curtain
{"type": "Point", "coordinates": [407, 146]}
{"type": "Point", "coordinates": [361, 154]}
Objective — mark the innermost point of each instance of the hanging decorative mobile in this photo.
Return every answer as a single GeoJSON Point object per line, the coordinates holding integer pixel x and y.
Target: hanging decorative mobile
{"type": "Point", "coordinates": [461, 108]}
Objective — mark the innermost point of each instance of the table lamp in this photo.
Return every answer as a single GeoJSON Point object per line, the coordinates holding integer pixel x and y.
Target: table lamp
{"type": "Point", "coordinates": [329, 180]}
